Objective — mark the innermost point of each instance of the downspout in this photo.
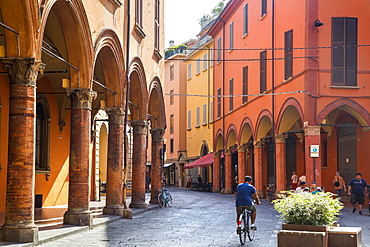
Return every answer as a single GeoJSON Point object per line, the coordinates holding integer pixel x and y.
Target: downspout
{"type": "Point", "coordinates": [223, 82]}
{"type": "Point", "coordinates": [209, 87]}
{"type": "Point", "coordinates": [273, 87]}
{"type": "Point", "coordinates": [125, 165]}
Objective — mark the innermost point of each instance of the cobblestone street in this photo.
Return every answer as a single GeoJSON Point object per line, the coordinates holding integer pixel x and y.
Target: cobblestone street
{"type": "Point", "coordinates": [195, 219]}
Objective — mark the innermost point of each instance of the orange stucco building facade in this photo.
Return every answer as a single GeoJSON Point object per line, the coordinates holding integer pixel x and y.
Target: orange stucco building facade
{"type": "Point", "coordinates": [297, 73]}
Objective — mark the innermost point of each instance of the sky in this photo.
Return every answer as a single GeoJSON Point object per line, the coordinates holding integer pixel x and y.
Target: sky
{"type": "Point", "coordinates": [182, 18]}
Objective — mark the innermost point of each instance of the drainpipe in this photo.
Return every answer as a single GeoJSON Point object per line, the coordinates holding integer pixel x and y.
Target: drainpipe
{"type": "Point", "coordinates": [223, 81]}
{"type": "Point", "coordinates": [125, 165]}
{"type": "Point", "coordinates": [273, 87]}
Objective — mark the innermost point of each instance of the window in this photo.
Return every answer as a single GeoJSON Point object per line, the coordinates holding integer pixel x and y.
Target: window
{"type": "Point", "coordinates": [42, 134]}
{"type": "Point", "coordinates": [197, 124]}
{"type": "Point", "coordinates": [264, 7]}
{"type": "Point", "coordinates": [219, 103]}
{"type": "Point", "coordinates": [211, 111]}
{"type": "Point", "coordinates": [157, 26]}
{"type": "Point", "coordinates": [344, 58]}
{"type": "Point", "coordinates": [172, 72]}
{"type": "Point", "coordinates": [172, 124]}
{"type": "Point", "coordinates": [189, 71]}
{"type": "Point", "coordinates": [245, 19]}
{"type": "Point", "coordinates": [288, 62]}
{"type": "Point", "coordinates": [171, 97]}
{"type": "Point", "coordinates": [263, 65]}
{"type": "Point", "coordinates": [231, 36]}
{"type": "Point", "coordinates": [139, 13]}
{"type": "Point", "coordinates": [231, 93]}
{"type": "Point", "coordinates": [171, 146]}
{"type": "Point", "coordinates": [211, 62]}
{"type": "Point", "coordinates": [219, 49]}
{"type": "Point", "coordinates": [198, 66]}
{"type": "Point", "coordinates": [204, 114]}
{"type": "Point", "coordinates": [245, 84]}
{"type": "Point", "coordinates": [205, 61]}
{"type": "Point", "coordinates": [189, 120]}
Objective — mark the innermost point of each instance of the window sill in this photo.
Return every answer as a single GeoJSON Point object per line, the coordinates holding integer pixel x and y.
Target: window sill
{"type": "Point", "coordinates": [139, 31]}
{"type": "Point", "coordinates": [157, 55]}
{"type": "Point", "coordinates": [198, 126]}
{"type": "Point", "coordinates": [188, 129]}
{"type": "Point", "coordinates": [345, 87]}
{"type": "Point", "coordinates": [245, 35]}
{"type": "Point", "coordinates": [116, 3]}
{"type": "Point", "coordinates": [260, 19]}
{"type": "Point", "coordinates": [231, 50]}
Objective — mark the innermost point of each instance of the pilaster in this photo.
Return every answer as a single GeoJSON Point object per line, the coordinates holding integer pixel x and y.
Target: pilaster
{"type": "Point", "coordinates": [258, 148]}
{"type": "Point", "coordinates": [216, 173]}
{"type": "Point", "coordinates": [280, 162]}
{"type": "Point", "coordinates": [156, 168]}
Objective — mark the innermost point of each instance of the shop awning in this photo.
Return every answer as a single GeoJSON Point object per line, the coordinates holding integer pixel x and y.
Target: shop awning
{"type": "Point", "coordinates": [204, 161]}
{"type": "Point", "coordinates": [168, 164]}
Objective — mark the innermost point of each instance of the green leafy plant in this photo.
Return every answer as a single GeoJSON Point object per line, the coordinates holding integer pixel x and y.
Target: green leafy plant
{"type": "Point", "coordinates": [320, 209]}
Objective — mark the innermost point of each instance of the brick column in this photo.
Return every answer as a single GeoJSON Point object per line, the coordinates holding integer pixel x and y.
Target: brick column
{"type": "Point", "coordinates": [280, 163]}
{"type": "Point", "coordinates": [139, 164]}
{"type": "Point", "coordinates": [114, 205]}
{"type": "Point", "coordinates": [19, 212]}
{"type": "Point", "coordinates": [157, 169]}
{"type": "Point", "coordinates": [241, 164]}
{"type": "Point", "coordinates": [79, 175]}
{"type": "Point", "coordinates": [313, 165]}
{"type": "Point", "coordinates": [258, 148]}
{"type": "Point", "coordinates": [228, 173]}
{"type": "Point", "coordinates": [216, 173]}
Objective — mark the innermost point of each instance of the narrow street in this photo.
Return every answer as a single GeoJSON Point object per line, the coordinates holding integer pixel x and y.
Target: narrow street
{"type": "Point", "coordinates": [195, 219]}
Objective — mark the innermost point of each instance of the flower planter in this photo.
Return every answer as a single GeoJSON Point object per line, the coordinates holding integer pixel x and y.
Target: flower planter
{"type": "Point", "coordinates": [306, 235]}
{"type": "Point", "coordinates": [307, 228]}
{"type": "Point", "coordinates": [345, 236]}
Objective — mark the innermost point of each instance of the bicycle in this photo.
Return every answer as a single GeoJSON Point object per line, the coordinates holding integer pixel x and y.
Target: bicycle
{"type": "Point", "coordinates": [164, 198]}
{"type": "Point", "coordinates": [245, 229]}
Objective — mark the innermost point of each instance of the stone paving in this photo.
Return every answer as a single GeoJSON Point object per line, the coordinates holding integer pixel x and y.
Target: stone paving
{"type": "Point", "coordinates": [195, 219]}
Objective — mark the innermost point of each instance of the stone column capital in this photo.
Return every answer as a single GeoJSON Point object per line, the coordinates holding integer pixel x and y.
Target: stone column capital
{"type": "Point", "coordinates": [311, 130]}
{"type": "Point", "coordinates": [116, 115]}
{"type": "Point", "coordinates": [280, 139]}
{"type": "Point", "coordinates": [216, 155]}
{"type": "Point", "coordinates": [228, 152]}
{"type": "Point", "coordinates": [140, 127]}
{"type": "Point", "coordinates": [241, 149]}
{"type": "Point", "coordinates": [23, 71]}
{"type": "Point", "coordinates": [259, 144]}
{"type": "Point", "coordinates": [157, 134]}
{"type": "Point", "coordinates": [81, 98]}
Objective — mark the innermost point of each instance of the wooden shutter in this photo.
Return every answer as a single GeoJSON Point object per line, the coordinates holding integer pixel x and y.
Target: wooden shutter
{"type": "Point", "coordinates": [263, 66]}
{"type": "Point", "coordinates": [231, 90]}
{"type": "Point", "coordinates": [245, 84]}
{"type": "Point", "coordinates": [288, 64]}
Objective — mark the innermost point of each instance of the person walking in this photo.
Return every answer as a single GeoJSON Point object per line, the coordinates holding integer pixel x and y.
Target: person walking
{"type": "Point", "coordinates": [339, 184]}
{"type": "Point", "coordinates": [357, 190]}
{"type": "Point", "coordinates": [189, 182]}
{"type": "Point", "coordinates": [294, 181]}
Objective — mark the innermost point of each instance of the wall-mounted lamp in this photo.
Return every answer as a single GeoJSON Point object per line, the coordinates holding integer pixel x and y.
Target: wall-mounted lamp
{"type": "Point", "coordinates": [103, 104]}
{"type": "Point", "coordinates": [317, 23]}
{"type": "Point", "coordinates": [2, 51]}
{"type": "Point", "coordinates": [65, 83]}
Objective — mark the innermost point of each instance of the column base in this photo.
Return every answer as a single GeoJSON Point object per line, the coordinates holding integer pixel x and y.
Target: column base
{"type": "Point", "coordinates": [113, 210]}
{"type": "Point", "coordinates": [20, 234]}
{"type": "Point", "coordinates": [215, 190]}
{"type": "Point", "coordinates": [78, 218]}
{"type": "Point", "coordinates": [138, 205]}
{"type": "Point", "coordinates": [227, 191]}
{"type": "Point", "coordinates": [127, 214]}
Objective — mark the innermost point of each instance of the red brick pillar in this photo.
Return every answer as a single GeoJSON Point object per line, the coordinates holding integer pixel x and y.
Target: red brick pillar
{"type": "Point", "coordinates": [156, 167]}
{"type": "Point", "coordinates": [258, 149]}
{"type": "Point", "coordinates": [313, 165]}
{"type": "Point", "coordinates": [19, 212]}
{"type": "Point", "coordinates": [79, 175]}
{"type": "Point", "coordinates": [139, 164]}
{"type": "Point", "coordinates": [114, 205]}
{"type": "Point", "coordinates": [280, 163]}
{"type": "Point", "coordinates": [241, 164]}
{"type": "Point", "coordinates": [216, 173]}
{"type": "Point", "coordinates": [229, 180]}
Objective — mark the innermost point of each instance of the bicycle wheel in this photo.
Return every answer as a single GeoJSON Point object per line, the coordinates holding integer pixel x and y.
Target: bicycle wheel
{"type": "Point", "coordinates": [248, 227]}
{"type": "Point", "coordinates": [161, 199]}
{"type": "Point", "coordinates": [169, 200]}
{"type": "Point", "coordinates": [243, 233]}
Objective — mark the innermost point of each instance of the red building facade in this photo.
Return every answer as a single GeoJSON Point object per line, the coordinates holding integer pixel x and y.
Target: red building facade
{"type": "Point", "coordinates": [292, 79]}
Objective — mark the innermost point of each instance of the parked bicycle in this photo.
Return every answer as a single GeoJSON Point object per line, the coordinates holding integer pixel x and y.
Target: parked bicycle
{"type": "Point", "coordinates": [245, 228]}
{"type": "Point", "coordinates": [270, 192]}
{"type": "Point", "coordinates": [164, 198]}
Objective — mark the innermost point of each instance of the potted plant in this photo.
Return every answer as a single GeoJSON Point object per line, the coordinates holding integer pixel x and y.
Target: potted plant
{"type": "Point", "coordinates": [307, 217]}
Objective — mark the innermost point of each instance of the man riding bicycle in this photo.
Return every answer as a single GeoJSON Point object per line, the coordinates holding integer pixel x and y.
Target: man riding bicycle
{"type": "Point", "coordinates": [245, 192]}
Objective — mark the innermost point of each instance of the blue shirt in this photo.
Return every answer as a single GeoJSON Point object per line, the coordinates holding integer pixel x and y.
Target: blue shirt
{"type": "Point", "coordinates": [357, 186]}
{"type": "Point", "coordinates": [245, 192]}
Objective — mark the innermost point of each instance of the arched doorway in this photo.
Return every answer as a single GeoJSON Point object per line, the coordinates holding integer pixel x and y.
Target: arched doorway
{"type": "Point", "coordinates": [347, 151]}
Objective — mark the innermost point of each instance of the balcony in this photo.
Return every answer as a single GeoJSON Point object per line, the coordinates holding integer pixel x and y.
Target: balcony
{"type": "Point", "coordinates": [169, 52]}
